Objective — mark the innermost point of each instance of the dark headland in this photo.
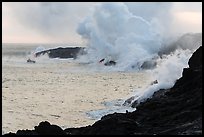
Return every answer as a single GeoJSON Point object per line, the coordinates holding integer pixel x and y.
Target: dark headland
{"type": "Point", "coordinates": [68, 52]}
{"type": "Point", "coordinates": [174, 111]}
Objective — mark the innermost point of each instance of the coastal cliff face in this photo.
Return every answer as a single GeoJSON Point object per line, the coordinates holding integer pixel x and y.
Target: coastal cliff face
{"type": "Point", "coordinates": [175, 111]}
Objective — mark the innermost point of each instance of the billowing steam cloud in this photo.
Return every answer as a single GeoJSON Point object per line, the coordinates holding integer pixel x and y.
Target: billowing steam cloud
{"type": "Point", "coordinates": [128, 33]}
{"type": "Point", "coordinates": [133, 34]}
{"type": "Point", "coordinates": [113, 31]}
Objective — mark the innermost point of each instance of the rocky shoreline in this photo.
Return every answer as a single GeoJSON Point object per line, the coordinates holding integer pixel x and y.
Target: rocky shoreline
{"type": "Point", "coordinates": [174, 111]}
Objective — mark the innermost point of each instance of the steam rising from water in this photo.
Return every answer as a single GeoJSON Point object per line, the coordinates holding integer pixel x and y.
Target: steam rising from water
{"type": "Point", "coordinates": [127, 35]}
{"type": "Point", "coordinates": [119, 32]}
{"type": "Point", "coordinates": [114, 32]}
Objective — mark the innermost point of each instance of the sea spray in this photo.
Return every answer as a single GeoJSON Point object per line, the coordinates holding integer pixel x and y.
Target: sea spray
{"type": "Point", "coordinates": [164, 76]}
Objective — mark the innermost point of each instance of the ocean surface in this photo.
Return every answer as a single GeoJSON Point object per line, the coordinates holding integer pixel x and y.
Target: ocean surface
{"type": "Point", "coordinates": [65, 92]}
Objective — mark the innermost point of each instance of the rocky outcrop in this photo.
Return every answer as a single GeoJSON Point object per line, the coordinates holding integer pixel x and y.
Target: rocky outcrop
{"type": "Point", "coordinates": [110, 63]}
{"type": "Point", "coordinates": [176, 111]}
{"type": "Point", "coordinates": [69, 52]}
{"type": "Point", "coordinates": [44, 128]}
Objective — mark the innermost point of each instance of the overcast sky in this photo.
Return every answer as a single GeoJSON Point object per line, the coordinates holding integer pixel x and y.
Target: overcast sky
{"type": "Point", "coordinates": [57, 22]}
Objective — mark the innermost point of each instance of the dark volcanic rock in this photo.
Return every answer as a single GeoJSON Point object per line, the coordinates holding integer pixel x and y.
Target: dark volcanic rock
{"type": "Point", "coordinates": [149, 64]}
{"type": "Point", "coordinates": [110, 63]}
{"type": "Point", "coordinates": [30, 61]}
{"type": "Point", "coordinates": [196, 60]}
{"type": "Point", "coordinates": [68, 52]}
{"type": "Point", "coordinates": [44, 128]}
{"type": "Point", "coordinates": [176, 111]}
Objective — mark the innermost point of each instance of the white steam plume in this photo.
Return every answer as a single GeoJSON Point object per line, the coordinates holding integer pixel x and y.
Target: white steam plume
{"type": "Point", "coordinates": [113, 31]}
{"type": "Point", "coordinates": [131, 34]}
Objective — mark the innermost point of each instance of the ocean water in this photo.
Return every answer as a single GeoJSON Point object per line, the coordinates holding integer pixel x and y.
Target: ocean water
{"type": "Point", "coordinates": [65, 92]}
{"type": "Point", "coordinates": [75, 93]}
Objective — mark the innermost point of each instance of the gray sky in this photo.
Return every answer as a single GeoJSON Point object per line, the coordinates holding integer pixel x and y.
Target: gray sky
{"type": "Point", "coordinates": [57, 22]}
